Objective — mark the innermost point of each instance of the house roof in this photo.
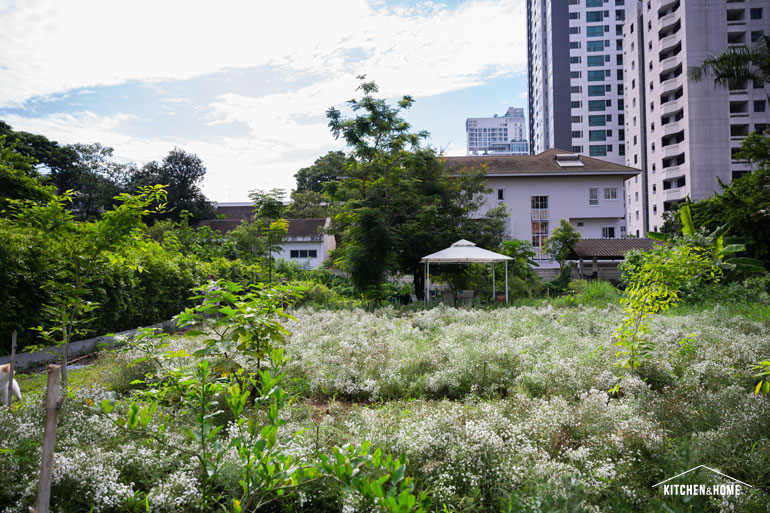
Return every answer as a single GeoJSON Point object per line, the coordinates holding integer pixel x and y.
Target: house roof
{"type": "Point", "coordinates": [236, 210]}
{"type": "Point", "coordinates": [610, 248]}
{"type": "Point", "coordinates": [306, 228]}
{"type": "Point", "coordinates": [464, 251]}
{"type": "Point", "coordinates": [221, 225]}
{"type": "Point", "coordinates": [553, 162]}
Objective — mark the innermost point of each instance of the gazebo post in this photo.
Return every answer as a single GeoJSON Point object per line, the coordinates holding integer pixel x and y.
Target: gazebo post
{"type": "Point", "coordinates": [427, 282]}
{"type": "Point", "coordinates": [506, 282]}
{"type": "Point", "coordinates": [493, 282]}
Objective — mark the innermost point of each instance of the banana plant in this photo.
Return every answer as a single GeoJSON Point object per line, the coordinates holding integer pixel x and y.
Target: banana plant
{"type": "Point", "coordinates": [722, 248]}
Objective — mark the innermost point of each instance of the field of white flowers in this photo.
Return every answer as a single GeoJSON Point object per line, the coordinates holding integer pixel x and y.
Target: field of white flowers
{"type": "Point", "coordinates": [494, 410]}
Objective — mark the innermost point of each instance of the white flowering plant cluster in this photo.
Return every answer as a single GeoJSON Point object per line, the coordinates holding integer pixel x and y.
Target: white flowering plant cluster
{"type": "Point", "coordinates": [497, 410]}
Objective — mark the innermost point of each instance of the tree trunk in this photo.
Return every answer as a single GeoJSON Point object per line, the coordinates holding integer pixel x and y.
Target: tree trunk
{"type": "Point", "coordinates": [52, 405]}
{"type": "Point", "coordinates": [419, 281]}
{"type": "Point", "coordinates": [64, 356]}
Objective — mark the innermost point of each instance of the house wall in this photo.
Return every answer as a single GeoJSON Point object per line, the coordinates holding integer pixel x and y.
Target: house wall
{"type": "Point", "coordinates": [568, 198]}
{"type": "Point", "coordinates": [311, 263]}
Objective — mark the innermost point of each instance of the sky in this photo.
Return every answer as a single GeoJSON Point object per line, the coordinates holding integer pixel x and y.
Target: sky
{"type": "Point", "coordinates": [245, 84]}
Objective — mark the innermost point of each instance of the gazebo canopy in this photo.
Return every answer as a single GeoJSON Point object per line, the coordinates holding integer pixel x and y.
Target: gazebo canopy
{"type": "Point", "coordinates": [464, 252]}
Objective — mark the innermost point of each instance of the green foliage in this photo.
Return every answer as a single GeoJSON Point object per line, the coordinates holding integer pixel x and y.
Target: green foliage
{"type": "Point", "coordinates": [272, 229]}
{"type": "Point", "coordinates": [396, 202]}
{"type": "Point", "coordinates": [325, 169]}
{"type": "Point", "coordinates": [737, 66]}
{"type": "Point", "coordinates": [561, 242]}
{"type": "Point", "coordinates": [742, 205]}
{"type": "Point", "coordinates": [182, 174]}
{"type": "Point", "coordinates": [763, 370]}
{"type": "Point", "coordinates": [18, 179]}
{"type": "Point", "coordinates": [654, 283]}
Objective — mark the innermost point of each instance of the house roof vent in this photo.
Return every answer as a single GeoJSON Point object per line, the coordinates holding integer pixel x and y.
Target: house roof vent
{"type": "Point", "coordinates": [568, 160]}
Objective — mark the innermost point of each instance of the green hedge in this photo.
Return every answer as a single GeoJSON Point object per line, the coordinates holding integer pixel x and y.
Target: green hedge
{"type": "Point", "coordinates": [128, 298]}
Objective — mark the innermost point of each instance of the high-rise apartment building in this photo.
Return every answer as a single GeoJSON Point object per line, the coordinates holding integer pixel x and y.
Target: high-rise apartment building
{"type": "Point", "coordinates": [575, 72]}
{"type": "Point", "coordinates": [683, 135]}
{"type": "Point", "coordinates": [498, 135]}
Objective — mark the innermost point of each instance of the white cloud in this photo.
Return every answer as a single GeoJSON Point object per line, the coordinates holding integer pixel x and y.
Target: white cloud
{"type": "Point", "coordinates": [426, 50]}
{"type": "Point", "coordinates": [57, 46]}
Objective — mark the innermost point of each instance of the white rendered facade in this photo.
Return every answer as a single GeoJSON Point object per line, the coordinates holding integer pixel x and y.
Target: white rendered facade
{"type": "Point", "coordinates": [575, 74]}
{"type": "Point", "coordinates": [538, 191]}
{"type": "Point", "coordinates": [683, 134]}
{"type": "Point", "coordinates": [498, 135]}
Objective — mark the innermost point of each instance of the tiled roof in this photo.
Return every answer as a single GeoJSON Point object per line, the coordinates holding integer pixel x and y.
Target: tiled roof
{"type": "Point", "coordinates": [544, 163]}
{"type": "Point", "coordinates": [236, 211]}
{"type": "Point", "coordinates": [221, 225]}
{"type": "Point", "coordinates": [306, 228]}
{"type": "Point", "coordinates": [610, 248]}
{"type": "Point", "coordinates": [297, 227]}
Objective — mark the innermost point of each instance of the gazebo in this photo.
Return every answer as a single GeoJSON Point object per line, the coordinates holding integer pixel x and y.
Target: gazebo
{"type": "Point", "coordinates": [465, 252]}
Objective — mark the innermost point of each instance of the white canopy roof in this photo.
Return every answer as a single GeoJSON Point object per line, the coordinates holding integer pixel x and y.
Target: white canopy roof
{"type": "Point", "coordinates": [464, 251]}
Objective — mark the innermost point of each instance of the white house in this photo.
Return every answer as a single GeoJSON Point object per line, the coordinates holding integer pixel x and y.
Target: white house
{"type": "Point", "coordinates": [306, 242]}
{"type": "Point", "coordinates": [539, 190]}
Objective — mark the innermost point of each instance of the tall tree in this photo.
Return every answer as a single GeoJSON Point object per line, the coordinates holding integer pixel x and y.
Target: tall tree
{"type": "Point", "coordinates": [182, 174]}
{"type": "Point", "coordinates": [18, 178]}
{"type": "Point", "coordinates": [268, 216]}
{"type": "Point", "coordinates": [396, 202]}
{"type": "Point", "coordinates": [325, 169]}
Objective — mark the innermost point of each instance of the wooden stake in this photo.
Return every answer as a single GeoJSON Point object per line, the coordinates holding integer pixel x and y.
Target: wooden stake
{"type": "Point", "coordinates": [10, 370]}
{"type": "Point", "coordinates": [52, 405]}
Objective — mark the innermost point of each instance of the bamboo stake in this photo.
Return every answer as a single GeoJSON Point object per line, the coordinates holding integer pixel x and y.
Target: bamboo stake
{"type": "Point", "coordinates": [10, 370]}
{"type": "Point", "coordinates": [52, 405]}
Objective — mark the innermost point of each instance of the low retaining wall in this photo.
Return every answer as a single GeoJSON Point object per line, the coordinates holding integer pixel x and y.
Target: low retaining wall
{"type": "Point", "coordinates": [26, 361]}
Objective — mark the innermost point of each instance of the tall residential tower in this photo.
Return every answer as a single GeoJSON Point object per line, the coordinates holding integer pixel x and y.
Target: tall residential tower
{"type": "Point", "coordinates": [683, 135]}
{"type": "Point", "coordinates": [498, 135]}
{"type": "Point", "coordinates": [575, 75]}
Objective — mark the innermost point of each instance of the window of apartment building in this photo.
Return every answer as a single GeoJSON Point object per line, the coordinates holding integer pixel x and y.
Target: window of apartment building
{"type": "Point", "coordinates": [633, 83]}
{"type": "Point", "coordinates": [655, 210]}
{"type": "Point", "coordinates": [576, 134]}
{"type": "Point", "coordinates": [595, 60]}
{"type": "Point", "coordinates": [653, 168]}
{"type": "Point", "coordinates": [577, 149]}
{"type": "Point", "coordinates": [594, 46]}
{"type": "Point", "coordinates": [593, 196]}
{"type": "Point", "coordinates": [619, 74]}
{"type": "Point", "coordinates": [608, 232]}
{"type": "Point", "coordinates": [620, 103]}
{"type": "Point", "coordinates": [574, 2]}
{"type": "Point", "coordinates": [654, 188]}
{"type": "Point", "coordinates": [576, 89]}
{"type": "Point", "coordinates": [610, 193]}
{"type": "Point", "coordinates": [596, 120]}
{"type": "Point", "coordinates": [575, 60]}
{"type": "Point", "coordinates": [596, 105]}
{"type": "Point", "coordinates": [760, 128]}
{"type": "Point", "coordinates": [593, 16]}
{"type": "Point", "coordinates": [755, 36]}
{"type": "Point", "coordinates": [759, 105]}
{"type": "Point", "coordinates": [618, 30]}
{"type": "Point", "coordinates": [620, 15]}
{"type": "Point", "coordinates": [596, 90]}
{"type": "Point", "coordinates": [574, 74]}
{"type": "Point", "coordinates": [594, 31]}
{"type": "Point", "coordinates": [622, 134]}
{"type": "Point", "coordinates": [636, 159]}
{"type": "Point", "coordinates": [594, 3]}
{"type": "Point", "coordinates": [574, 44]}
{"type": "Point", "coordinates": [574, 30]}
{"type": "Point", "coordinates": [574, 15]}
{"type": "Point", "coordinates": [596, 76]}
{"type": "Point", "coordinates": [598, 150]}
{"type": "Point", "coordinates": [622, 150]}
{"type": "Point", "coordinates": [621, 119]}
{"type": "Point", "coordinates": [756, 14]}
{"type": "Point", "coordinates": [576, 119]}
{"type": "Point", "coordinates": [619, 45]}
{"type": "Point", "coordinates": [637, 218]}
{"type": "Point", "coordinates": [575, 105]}
{"type": "Point", "coordinates": [500, 194]}
{"type": "Point", "coordinates": [620, 89]}
{"type": "Point", "coordinates": [652, 106]}
{"type": "Point", "coordinates": [597, 135]}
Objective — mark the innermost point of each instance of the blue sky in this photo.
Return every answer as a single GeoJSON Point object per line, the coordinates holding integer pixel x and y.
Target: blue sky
{"type": "Point", "coordinates": [245, 84]}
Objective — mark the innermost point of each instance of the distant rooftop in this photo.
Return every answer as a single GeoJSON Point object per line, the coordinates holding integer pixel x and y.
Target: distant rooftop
{"type": "Point", "coordinates": [550, 162]}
